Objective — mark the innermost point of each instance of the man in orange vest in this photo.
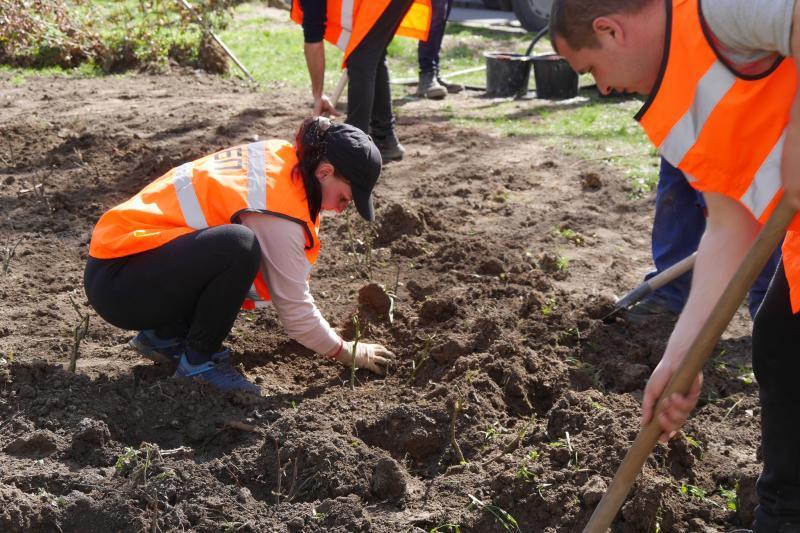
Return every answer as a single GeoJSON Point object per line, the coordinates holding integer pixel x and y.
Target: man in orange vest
{"type": "Point", "coordinates": [723, 107]}
{"type": "Point", "coordinates": [362, 29]}
{"type": "Point", "coordinates": [238, 228]}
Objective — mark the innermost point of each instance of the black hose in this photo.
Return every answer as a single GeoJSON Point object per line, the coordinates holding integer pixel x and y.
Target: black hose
{"type": "Point", "coordinates": [537, 38]}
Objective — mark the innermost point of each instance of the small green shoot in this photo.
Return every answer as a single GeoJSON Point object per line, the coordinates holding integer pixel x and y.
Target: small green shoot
{"type": "Point", "coordinates": [548, 307]}
{"type": "Point", "coordinates": [694, 444]}
{"type": "Point", "coordinates": [730, 496]}
{"type": "Point", "coordinates": [693, 491]}
{"type": "Point", "coordinates": [446, 528]}
{"type": "Point", "coordinates": [562, 263]}
{"type": "Point", "coordinates": [503, 517]}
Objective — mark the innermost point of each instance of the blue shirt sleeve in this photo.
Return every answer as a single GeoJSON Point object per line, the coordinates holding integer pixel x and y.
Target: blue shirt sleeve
{"type": "Point", "coordinates": [313, 20]}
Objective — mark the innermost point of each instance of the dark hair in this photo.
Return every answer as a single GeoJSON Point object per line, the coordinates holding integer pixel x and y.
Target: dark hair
{"type": "Point", "coordinates": [310, 148]}
{"type": "Point", "coordinates": [572, 19]}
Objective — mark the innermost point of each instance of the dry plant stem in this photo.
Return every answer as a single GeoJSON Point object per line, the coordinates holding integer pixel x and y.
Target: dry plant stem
{"type": "Point", "coordinates": [279, 474]}
{"type": "Point", "coordinates": [423, 357]}
{"type": "Point", "coordinates": [8, 254]}
{"type": "Point", "coordinates": [456, 411]}
{"type": "Point", "coordinates": [356, 339]}
{"type": "Point", "coordinates": [78, 335]}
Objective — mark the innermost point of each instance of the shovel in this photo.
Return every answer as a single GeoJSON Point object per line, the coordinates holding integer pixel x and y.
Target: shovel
{"type": "Point", "coordinates": [651, 285]}
{"type": "Point", "coordinates": [761, 250]}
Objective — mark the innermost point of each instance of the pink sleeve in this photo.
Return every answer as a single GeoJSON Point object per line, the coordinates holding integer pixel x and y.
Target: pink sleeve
{"type": "Point", "coordinates": [286, 269]}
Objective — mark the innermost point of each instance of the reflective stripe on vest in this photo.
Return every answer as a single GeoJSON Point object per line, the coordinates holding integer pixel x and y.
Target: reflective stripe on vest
{"type": "Point", "coordinates": [211, 191]}
{"type": "Point", "coordinates": [347, 22]}
{"type": "Point", "coordinates": [724, 131]}
{"type": "Point", "coordinates": [187, 198]}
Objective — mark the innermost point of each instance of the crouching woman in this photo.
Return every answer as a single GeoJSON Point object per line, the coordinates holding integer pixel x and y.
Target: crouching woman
{"type": "Point", "coordinates": [234, 229]}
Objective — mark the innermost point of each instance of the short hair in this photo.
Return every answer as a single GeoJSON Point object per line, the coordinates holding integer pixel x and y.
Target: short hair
{"type": "Point", "coordinates": [572, 19]}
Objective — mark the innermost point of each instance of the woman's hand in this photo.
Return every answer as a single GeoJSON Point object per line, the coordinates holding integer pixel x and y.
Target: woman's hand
{"type": "Point", "coordinates": [676, 407]}
{"type": "Point", "coordinates": [373, 357]}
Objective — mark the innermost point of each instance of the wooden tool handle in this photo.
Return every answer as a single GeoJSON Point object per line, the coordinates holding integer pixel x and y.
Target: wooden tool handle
{"type": "Point", "coordinates": [761, 250]}
{"type": "Point", "coordinates": [337, 92]}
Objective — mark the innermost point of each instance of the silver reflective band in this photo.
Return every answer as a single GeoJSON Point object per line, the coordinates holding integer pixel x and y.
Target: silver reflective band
{"type": "Point", "coordinates": [711, 88]}
{"type": "Point", "coordinates": [767, 181]}
{"type": "Point", "coordinates": [256, 177]}
{"type": "Point", "coordinates": [347, 24]}
{"type": "Point", "coordinates": [187, 198]}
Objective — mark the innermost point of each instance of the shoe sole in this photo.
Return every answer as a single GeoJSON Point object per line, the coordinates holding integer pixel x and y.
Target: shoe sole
{"type": "Point", "coordinates": [153, 355]}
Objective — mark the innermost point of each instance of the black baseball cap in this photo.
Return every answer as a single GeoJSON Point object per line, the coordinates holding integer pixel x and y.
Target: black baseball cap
{"type": "Point", "coordinates": [353, 154]}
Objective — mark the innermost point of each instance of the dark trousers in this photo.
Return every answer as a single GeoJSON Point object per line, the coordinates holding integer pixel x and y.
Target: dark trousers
{"type": "Point", "coordinates": [428, 51]}
{"type": "Point", "coordinates": [192, 287]}
{"type": "Point", "coordinates": [678, 224]}
{"type": "Point", "coordinates": [776, 363]}
{"type": "Point", "coordinates": [369, 96]}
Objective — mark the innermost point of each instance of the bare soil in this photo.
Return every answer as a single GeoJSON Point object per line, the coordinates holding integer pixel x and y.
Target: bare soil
{"type": "Point", "coordinates": [496, 310]}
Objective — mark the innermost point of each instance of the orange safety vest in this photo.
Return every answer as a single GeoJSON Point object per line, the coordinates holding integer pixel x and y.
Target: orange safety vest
{"type": "Point", "coordinates": [211, 191]}
{"type": "Point", "coordinates": [347, 22]}
{"type": "Point", "coordinates": [724, 130]}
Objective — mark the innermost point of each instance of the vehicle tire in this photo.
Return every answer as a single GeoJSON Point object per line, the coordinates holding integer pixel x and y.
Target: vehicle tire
{"type": "Point", "coordinates": [499, 5]}
{"type": "Point", "coordinates": [532, 14]}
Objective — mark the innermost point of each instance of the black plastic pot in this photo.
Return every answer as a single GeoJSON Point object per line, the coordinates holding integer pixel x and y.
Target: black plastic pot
{"type": "Point", "coordinates": [555, 79]}
{"type": "Point", "coordinates": [507, 74]}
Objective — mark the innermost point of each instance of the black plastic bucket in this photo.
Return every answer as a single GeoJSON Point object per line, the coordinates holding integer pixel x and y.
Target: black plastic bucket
{"type": "Point", "coordinates": [555, 79]}
{"type": "Point", "coordinates": [507, 74]}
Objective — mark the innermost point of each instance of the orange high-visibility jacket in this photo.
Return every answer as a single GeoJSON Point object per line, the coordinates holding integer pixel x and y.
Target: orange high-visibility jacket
{"type": "Point", "coordinates": [347, 22]}
{"type": "Point", "coordinates": [211, 191]}
{"type": "Point", "coordinates": [724, 130]}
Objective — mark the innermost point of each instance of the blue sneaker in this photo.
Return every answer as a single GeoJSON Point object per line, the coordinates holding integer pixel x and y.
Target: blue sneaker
{"type": "Point", "coordinates": [218, 372]}
{"type": "Point", "coordinates": [158, 350]}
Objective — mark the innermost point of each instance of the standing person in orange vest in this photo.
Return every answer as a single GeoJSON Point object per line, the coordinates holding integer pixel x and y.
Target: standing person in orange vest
{"type": "Point", "coordinates": [362, 29]}
{"type": "Point", "coordinates": [723, 107]}
{"type": "Point", "coordinates": [237, 228]}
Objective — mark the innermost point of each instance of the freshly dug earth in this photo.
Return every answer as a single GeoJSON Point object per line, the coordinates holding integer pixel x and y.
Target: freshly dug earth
{"type": "Point", "coordinates": [500, 256]}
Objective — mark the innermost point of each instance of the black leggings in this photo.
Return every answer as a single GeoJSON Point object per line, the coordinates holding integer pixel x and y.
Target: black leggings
{"type": "Point", "coordinates": [369, 96]}
{"type": "Point", "coordinates": [191, 287]}
{"type": "Point", "coordinates": [776, 363]}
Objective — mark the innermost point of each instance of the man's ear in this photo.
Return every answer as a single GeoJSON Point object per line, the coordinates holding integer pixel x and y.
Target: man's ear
{"type": "Point", "coordinates": [324, 171]}
{"type": "Point", "coordinates": [608, 28]}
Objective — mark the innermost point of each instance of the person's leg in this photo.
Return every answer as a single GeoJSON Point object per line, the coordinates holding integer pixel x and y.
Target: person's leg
{"type": "Point", "coordinates": [428, 53]}
{"type": "Point", "coordinates": [451, 86]}
{"type": "Point", "coordinates": [369, 97]}
{"type": "Point", "coordinates": [191, 287]}
{"type": "Point", "coordinates": [776, 337]}
{"type": "Point", "coordinates": [678, 225]}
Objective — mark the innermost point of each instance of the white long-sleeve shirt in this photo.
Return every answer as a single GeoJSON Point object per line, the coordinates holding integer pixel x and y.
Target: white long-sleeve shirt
{"type": "Point", "coordinates": [286, 269]}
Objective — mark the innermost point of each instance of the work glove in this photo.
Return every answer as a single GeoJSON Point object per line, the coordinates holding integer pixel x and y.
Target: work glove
{"type": "Point", "coordinates": [373, 357]}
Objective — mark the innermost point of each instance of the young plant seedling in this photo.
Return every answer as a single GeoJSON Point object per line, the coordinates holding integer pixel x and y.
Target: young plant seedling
{"type": "Point", "coordinates": [79, 333]}
{"type": "Point", "coordinates": [421, 359]}
{"type": "Point", "coordinates": [503, 517]}
{"type": "Point", "coordinates": [356, 339]}
{"type": "Point", "coordinates": [457, 406]}
{"type": "Point", "coordinates": [8, 254]}
{"type": "Point", "coordinates": [730, 496]}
